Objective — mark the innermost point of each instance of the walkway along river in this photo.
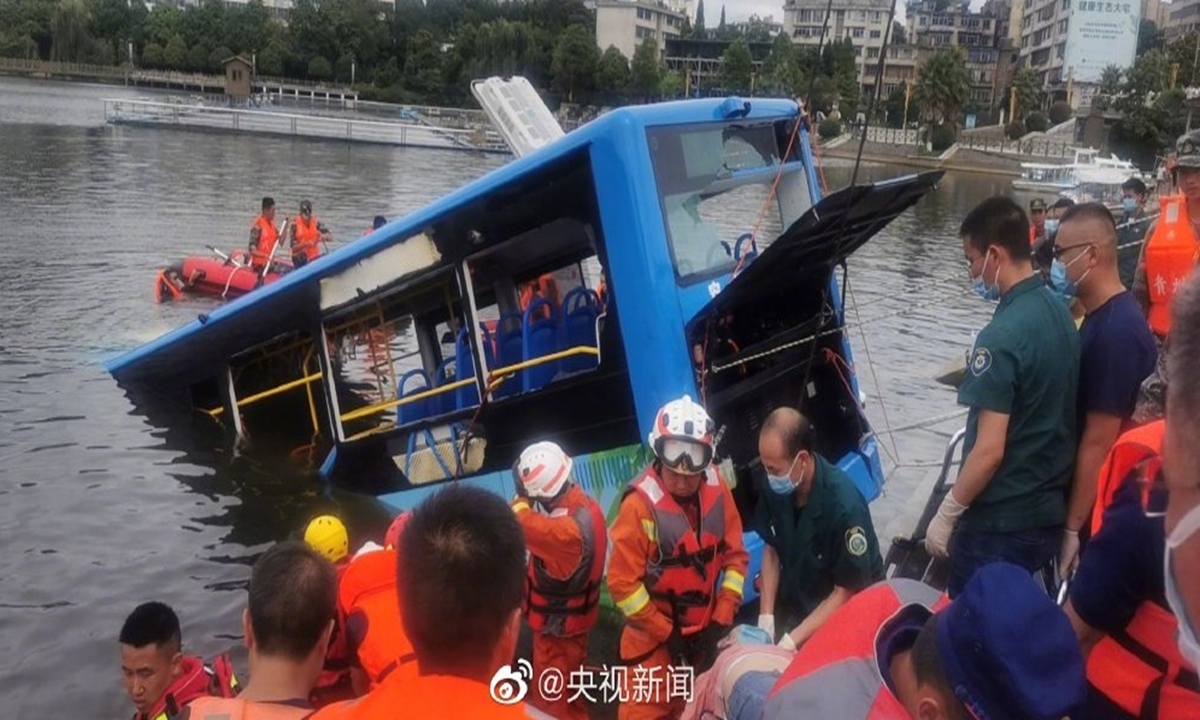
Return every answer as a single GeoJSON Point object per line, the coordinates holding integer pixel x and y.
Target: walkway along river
{"type": "Point", "coordinates": [102, 509]}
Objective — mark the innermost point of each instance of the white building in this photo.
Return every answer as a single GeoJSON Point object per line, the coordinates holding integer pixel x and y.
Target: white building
{"type": "Point", "coordinates": [863, 21]}
{"type": "Point", "coordinates": [1068, 43]}
{"type": "Point", "coordinates": [625, 25]}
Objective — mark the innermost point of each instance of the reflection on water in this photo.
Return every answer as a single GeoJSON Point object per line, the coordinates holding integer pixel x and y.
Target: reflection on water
{"type": "Point", "coordinates": [102, 508]}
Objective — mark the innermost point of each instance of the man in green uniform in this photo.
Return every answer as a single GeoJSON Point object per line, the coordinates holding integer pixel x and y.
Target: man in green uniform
{"type": "Point", "coordinates": [820, 544]}
{"type": "Point", "coordinates": [1009, 502]}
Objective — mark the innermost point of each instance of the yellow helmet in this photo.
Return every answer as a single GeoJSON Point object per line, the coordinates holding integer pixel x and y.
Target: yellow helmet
{"type": "Point", "coordinates": [327, 535]}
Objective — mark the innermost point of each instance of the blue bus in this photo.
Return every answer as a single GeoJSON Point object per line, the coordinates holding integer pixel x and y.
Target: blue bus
{"type": "Point", "coordinates": [660, 250]}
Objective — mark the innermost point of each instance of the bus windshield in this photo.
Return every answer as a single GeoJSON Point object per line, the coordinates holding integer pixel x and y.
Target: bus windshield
{"type": "Point", "coordinates": [713, 181]}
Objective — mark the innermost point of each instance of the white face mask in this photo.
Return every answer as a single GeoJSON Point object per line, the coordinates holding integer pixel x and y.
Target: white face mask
{"type": "Point", "coordinates": [1189, 643]}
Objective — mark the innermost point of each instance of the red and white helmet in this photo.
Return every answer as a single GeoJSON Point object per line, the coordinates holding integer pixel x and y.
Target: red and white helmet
{"type": "Point", "coordinates": [543, 469]}
{"type": "Point", "coordinates": [682, 437]}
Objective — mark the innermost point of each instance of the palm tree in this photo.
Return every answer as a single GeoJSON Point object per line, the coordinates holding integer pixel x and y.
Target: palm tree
{"type": "Point", "coordinates": [1029, 94]}
{"type": "Point", "coordinates": [943, 85]}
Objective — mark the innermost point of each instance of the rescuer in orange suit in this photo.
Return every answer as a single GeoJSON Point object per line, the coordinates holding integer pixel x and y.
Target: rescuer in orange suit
{"type": "Point", "coordinates": [263, 235]}
{"type": "Point", "coordinates": [678, 563]}
{"type": "Point", "coordinates": [367, 601]}
{"type": "Point", "coordinates": [307, 234]}
{"type": "Point", "coordinates": [567, 547]}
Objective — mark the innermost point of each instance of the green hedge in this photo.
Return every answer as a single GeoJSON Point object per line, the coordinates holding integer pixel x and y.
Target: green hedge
{"type": "Point", "coordinates": [943, 137]}
{"type": "Point", "coordinates": [829, 128]}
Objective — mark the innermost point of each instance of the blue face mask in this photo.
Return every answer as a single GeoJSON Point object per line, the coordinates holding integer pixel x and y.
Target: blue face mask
{"type": "Point", "coordinates": [1130, 205]}
{"type": "Point", "coordinates": [1060, 283]}
{"type": "Point", "coordinates": [782, 484]}
{"type": "Point", "coordinates": [981, 288]}
{"type": "Point", "coordinates": [1051, 226]}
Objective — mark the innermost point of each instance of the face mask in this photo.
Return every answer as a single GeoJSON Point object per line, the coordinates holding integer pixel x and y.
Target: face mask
{"type": "Point", "coordinates": [1189, 643]}
{"type": "Point", "coordinates": [1059, 281]}
{"type": "Point", "coordinates": [782, 484]}
{"type": "Point", "coordinates": [981, 288]}
{"type": "Point", "coordinates": [1051, 226]}
{"type": "Point", "coordinates": [1130, 205]}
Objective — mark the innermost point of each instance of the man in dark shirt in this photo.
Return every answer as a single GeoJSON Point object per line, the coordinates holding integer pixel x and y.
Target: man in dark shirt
{"type": "Point", "coordinates": [821, 547]}
{"type": "Point", "coordinates": [1008, 502]}
{"type": "Point", "coordinates": [1117, 352]}
{"type": "Point", "coordinates": [1131, 231]}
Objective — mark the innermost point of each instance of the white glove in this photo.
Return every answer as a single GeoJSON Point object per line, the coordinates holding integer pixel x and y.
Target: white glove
{"type": "Point", "coordinates": [786, 642]}
{"type": "Point", "coordinates": [937, 536]}
{"type": "Point", "coordinates": [1068, 554]}
{"type": "Point", "coordinates": [767, 622]}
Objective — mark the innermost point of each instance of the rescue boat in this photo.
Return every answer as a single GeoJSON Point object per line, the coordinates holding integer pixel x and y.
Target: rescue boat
{"type": "Point", "coordinates": [220, 276]}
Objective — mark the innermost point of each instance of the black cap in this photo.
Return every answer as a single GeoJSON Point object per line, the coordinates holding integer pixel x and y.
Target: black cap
{"type": "Point", "coordinates": [1037, 204]}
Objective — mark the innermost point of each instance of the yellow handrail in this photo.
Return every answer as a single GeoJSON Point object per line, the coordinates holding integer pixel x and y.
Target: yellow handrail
{"type": "Point", "coordinates": [270, 393]}
{"type": "Point", "coordinates": [385, 406]}
{"type": "Point", "coordinates": [509, 370]}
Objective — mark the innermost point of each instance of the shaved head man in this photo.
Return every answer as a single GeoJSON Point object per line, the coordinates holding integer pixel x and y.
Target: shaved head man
{"type": "Point", "coordinates": [1117, 352]}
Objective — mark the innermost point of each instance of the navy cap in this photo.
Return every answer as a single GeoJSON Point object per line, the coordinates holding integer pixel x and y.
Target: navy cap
{"type": "Point", "coordinates": [1008, 650]}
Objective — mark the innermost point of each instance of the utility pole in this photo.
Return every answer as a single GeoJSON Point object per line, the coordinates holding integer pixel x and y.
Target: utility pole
{"type": "Point", "coordinates": [1012, 104]}
{"type": "Point", "coordinates": [907, 94]}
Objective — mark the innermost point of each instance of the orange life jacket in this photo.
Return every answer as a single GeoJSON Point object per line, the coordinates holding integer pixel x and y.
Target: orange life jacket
{"type": "Point", "coordinates": [1140, 669]}
{"type": "Point", "coordinates": [196, 681]}
{"type": "Point", "coordinates": [1171, 255]}
{"type": "Point", "coordinates": [210, 708]}
{"type": "Point", "coordinates": [428, 696]}
{"type": "Point", "coordinates": [307, 237]}
{"type": "Point", "coordinates": [569, 607]}
{"type": "Point", "coordinates": [682, 581]}
{"type": "Point", "coordinates": [268, 236]}
{"type": "Point", "coordinates": [368, 589]}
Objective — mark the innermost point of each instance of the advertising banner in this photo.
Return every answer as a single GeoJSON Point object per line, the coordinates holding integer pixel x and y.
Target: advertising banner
{"type": "Point", "coordinates": [1100, 34]}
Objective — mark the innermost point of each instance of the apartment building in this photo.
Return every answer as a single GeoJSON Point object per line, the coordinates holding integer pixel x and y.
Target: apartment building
{"type": "Point", "coordinates": [1182, 18]}
{"type": "Point", "coordinates": [865, 22]}
{"type": "Point", "coordinates": [626, 25]}
{"type": "Point", "coordinates": [981, 35]}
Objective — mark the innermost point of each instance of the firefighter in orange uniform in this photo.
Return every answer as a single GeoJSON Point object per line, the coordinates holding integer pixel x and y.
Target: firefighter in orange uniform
{"type": "Point", "coordinates": [678, 562]}
{"type": "Point", "coordinates": [307, 234]}
{"type": "Point", "coordinates": [263, 236]}
{"type": "Point", "coordinates": [567, 546]}
{"type": "Point", "coordinates": [1117, 604]}
{"type": "Point", "coordinates": [328, 536]}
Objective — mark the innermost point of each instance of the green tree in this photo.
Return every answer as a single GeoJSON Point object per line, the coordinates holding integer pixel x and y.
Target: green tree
{"type": "Point", "coordinates": [757, 30]}
{"type": "Point", "coordinates": [319, 68]}
{"type": "Point", "coordinates": [612, 75]}
{"type": "Point", "coordinates": [110, 22]}
{"type": "Point", "coordinates": [163, 23]}
{"type": "Point", "coordinates": [423, 65]}
{"type": "Point", "coordinates": [780, 74]}
{"type": "Point", "coordinates": [943, 85]}
{"type": "Point", "coordinates": [343, 67]}
{"type": "Point", "coordinates": [152, 55]}
{"type": "Point", "coordinates": [671, 85]}
{"type": "Point", "coordinates": [269, 61]}
{"type": "Point", "coordinates": [1149, 36]}
{"type": "Point", "coordinates": [699, 30]}
{"type": "Point", "coordinates": [645, 75]}
{"type": "Point", "coordinates": [72, 42]}
{"type": "Point", "coordinates": [1027, 90]}
{"type": "Point", "coordinates": [575, 58]}
{"type": "Point", "coordinates": [217, 58]}
{"type": "Point", "coordinates": [1110, 80]}
{"type": "Point", "coordinates": [175, 53]}
{"type": "Point", "coordinates": [737, 66]}
{"type": "Point", "coordinates": [197, 58]}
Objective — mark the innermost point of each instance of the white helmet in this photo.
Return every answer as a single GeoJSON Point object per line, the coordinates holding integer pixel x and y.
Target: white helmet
{"type": "Point", "coordinates": [543, 469]}
{"type": "Point", "coordinates": [682, 437]}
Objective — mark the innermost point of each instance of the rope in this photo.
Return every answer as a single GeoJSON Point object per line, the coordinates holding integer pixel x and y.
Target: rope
{"type": "Point", "coordinates": [928, 422]}
{"type": "Point", "coordinates": [874, 378]}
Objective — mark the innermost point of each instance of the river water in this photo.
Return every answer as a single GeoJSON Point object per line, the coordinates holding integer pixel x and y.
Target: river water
{"type": "Point", "coordinates": [101, 509]}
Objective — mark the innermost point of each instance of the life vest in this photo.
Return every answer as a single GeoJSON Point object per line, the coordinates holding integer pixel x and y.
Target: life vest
{"type": "Point", "coordinates": [367, 595]}
{"type": "Point", "coordinates": [682, 580]}
{"type": "Point", "coordinates": [840, 660]}
{"type": "Point", "coordinates": [1140, 668]}
{"type": "Point", "coordinates": [569, 607]}
{"type": "Point", "coordinates": [211, 708]}
{"type": "Point", "coordinates": [1171, 255]}
{"type": "Point", "coordinates": [268, 236]}
{"type": "Point", "coordinates": [306, 238]}
{"type": "Point", "coordinates": [195, 681]}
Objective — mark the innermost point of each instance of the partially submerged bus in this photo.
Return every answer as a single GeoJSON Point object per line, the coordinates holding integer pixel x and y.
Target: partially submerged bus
{"type": "Point", "coordinates": [661, 250]}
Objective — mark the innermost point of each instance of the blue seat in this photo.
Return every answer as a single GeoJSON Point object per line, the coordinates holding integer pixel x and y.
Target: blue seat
{"type": "Point", "coordinates": [467, 395]}
{"type": "Point", "coordinates": [540, 337]}
{"type": "Point", "coordinates": [414, 411]}
{"type": "Point", "coordinates": [581, 308]}
{"type": "Point", "coordinates": [510, 333]}
{"type": "Point", "coordinates": [446, 374]}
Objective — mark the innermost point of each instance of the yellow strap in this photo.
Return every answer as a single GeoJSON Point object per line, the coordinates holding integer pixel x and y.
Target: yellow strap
{"type": "Point", "coordinates": [734, 582]}
{"type": "Point", "coordinates": [520, 505]}
{"type": "Point", "coordinates": [651, 530]}
{"type": "Point", "coordinates": [633, 604]}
